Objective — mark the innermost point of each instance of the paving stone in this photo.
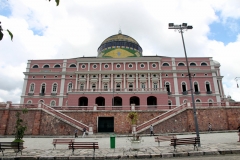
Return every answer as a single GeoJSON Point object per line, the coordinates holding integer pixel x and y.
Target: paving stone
{"type": "Point", "coordinates": [235, 151]}
{"type": "Point", "coordinates": [27, 158]}
{"type": "Point", "coordinates": [167, 155]}
{"type": "Point", "coordinates": [46, 158]}
{"type": "Point", "coordinates": [195, 153]}
{"type": "Point", "coordinates": [180, 154]}
{"type": "Point", "coordinates": [214, 152]}
{"type": "Point", "coordinates": [224, 151]}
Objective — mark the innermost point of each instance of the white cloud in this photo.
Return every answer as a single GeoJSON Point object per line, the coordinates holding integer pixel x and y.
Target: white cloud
{"type": "Point", "coordinates": [76, 28]}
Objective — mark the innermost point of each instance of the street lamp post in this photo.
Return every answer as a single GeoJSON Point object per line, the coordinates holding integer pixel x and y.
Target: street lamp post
{"type": "Point", "coordinates": [180, 28]}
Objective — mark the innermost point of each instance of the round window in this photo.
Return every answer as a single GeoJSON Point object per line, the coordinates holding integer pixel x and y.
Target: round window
{"type": "Point", "coordinates": [154, 65]}
{"type": "Point", "coordinates": [94, 66]}
{"type": "Point", "coordinates": [106, 66]}
{"type": "Point", "coordinates": [118, 65]}
{"type": "Point", "coordinates": [130, 65]}
{"type": "Point", "coordinates": [83, 66]}
{"type": "Point", "coordinates": [142, 65]}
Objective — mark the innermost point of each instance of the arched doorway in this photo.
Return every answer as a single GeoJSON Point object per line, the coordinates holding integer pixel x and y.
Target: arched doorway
{"type": "Point", "coordinates": [151, 100]}
{"type": "Point", "coordinates": [100, 101]}
{"type": "Point", "coordinates": [135, 100]}
{"type": "Point", "coordinates": [83, 101]}
{"type": "Point", "coordinates": [117, 101]}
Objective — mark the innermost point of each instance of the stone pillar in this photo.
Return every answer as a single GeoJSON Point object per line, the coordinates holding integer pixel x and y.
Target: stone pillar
{"type": "Point", "coordinates": [39, 105]}
{"type": "Point", "coordinates": [9, 103]}
{"type": "Point", "coordinates": [227, 103]}
{"type": "Point", "coordinates": [90, 129]}
{"type": "Point", "coordinates": [133, 129]}
{"type": "Point", "coordinates": [95, 107]}
{"type": "Point", "coordinates": [133, 107]}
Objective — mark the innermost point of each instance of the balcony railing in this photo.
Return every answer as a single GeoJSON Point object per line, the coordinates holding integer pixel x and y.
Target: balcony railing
{"type": "Point", "coordinates": [41, 94]}
{"type": "Point", "coordinates": [196, 92]}
{"type": "Point", "coordinates": [209, 92]}
{"type": "Point", "coordinates": [30, 94]}
{"type": "Point", "coordinates": [53, 94]}
{"type": "Point", "coordinates": [120, 90]}
{"type": "Point", "coordinates": [185, 92]}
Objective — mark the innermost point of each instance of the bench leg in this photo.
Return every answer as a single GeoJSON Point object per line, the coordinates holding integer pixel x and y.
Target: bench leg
{"type": "Point", "coordinates": [2, 152]}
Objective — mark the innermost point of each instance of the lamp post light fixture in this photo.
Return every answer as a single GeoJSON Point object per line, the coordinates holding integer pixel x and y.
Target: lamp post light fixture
{"type": "Point", "coordinates": [236, 79]}
{"type": "Point", "coordinates": [180, 28]}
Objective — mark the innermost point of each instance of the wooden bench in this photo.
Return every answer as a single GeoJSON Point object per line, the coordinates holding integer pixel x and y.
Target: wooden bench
{"type": "Point", "coordinates": [185, 141]}
{"type": "Point", "coordinates": [163, 138]}
{"type": "Point", "coordinates": [83, 145]}
{"type": "Point", "coordinates": [61, 141]}
{"type": "Point", "coordinates": [17, 146]}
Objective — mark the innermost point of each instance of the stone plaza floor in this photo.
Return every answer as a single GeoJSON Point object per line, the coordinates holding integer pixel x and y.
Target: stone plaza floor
{"type": "Point", "coordinates": [40, 147]}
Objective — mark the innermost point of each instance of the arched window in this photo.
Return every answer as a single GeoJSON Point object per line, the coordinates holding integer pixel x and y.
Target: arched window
{"type": "Point", "coordinates": [210, 102]}
{"type": "Point", "coordinates": [83, 101]}
{"type": "Point", "coordinates": [167, 85]}
{"type": "Point", "coordinates": [43, 88]}
{"type": "Point", "coordinates": [53, 103]}
{"type": "Point", "coordinates": [57, 66]}
{"type": "Point", "coordinates": [105, 86]}
{"type": "Point", "coordinates": [46, 66]}
{"type": "Point", "coordinates": [165, 64]}
{"type": "Point", "coordinates": [54, 88]}
{"type": "Point", "coordinates": [196, 89]}
{"type": "Point", "coordinates": [170, 104]}
{"type": "Point", "coordinates": [100, 101]}
{"type": "Point", "coordinates": [130, 86]}
{"type": "Point", "coordinates": [32, 87]}
{"type": "Point", "coordinates": [198, 100]}
{"type": "Point", "coordinates": [181, 64]}
{"type": "Point", "coordinates": [29, 102]}
{"type": "Point", "coordinates": [151, 100]}
{"type": "Point", "coordinates": [93, 86]}
{"type": "Point", "coordinates": [41, 101]}
{"type": "Point", "coordinates": [81, 87]}
{"type": "Point", "coordinates": [155, 86]}
{"type": "Point", "coordinates": [203, 64]}
{"type": "Point", "coordinates": [184, 87]}
{"type": "Point", "coordinates": [72, 66]}
{"type": "Point", "coordinates": [208, 88]}
{"type": "Point", "coordinates": [118, 86]}
{"type": "Point", "coordinates": [192, 64]}
{"type": "Point", "coordinates": [70, 86]}
{"type": "Point", "coordinates": [143, 86]}
{"type": "Point", "coordinates": [35, 66]}
{"type": "Point", "coordinates": [134, 100]}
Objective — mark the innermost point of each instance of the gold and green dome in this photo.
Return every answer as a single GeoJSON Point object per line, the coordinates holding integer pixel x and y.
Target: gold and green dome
{"type": "Point", "coordinates": [119, 46]}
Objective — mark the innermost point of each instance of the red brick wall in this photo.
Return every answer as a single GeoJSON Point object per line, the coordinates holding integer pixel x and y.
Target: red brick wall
{"type": "Point", "coordinates": [42, 123]}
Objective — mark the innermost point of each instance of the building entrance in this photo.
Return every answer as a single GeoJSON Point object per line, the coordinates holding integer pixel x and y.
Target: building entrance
{"type": "Point", "coordinates": [105, 124]}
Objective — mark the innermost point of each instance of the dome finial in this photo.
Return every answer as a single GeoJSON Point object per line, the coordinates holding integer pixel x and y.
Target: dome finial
{"type": "Point", "coordinates": [119, 32]}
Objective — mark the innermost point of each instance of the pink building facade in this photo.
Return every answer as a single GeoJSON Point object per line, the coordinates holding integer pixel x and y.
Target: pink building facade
{"type": "Point", "coordinates": [120, 76]}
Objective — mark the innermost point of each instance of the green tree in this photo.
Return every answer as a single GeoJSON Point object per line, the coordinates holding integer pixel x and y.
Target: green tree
{"type": "Point", "coordinates": [20, 126]}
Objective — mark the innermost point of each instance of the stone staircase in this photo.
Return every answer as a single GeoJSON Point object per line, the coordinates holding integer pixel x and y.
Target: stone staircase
{"type": "Point", "coordinates": [161, 118]}
{"type": "Point", "coordinates": [65, 118]}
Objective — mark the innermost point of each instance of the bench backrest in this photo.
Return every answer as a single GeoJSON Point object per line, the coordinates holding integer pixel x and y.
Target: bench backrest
{"type": "Point", "coordinates": [192, 140]}
{"type": "Point", "coordinates": [11, 145]}
{"type": "Point", "coordinates": [62, 140]}
{"type": "Point", "coordinates": [83, 145]}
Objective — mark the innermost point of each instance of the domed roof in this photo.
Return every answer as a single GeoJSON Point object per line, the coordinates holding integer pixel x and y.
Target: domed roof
{"type": "Point", "coordinates": [119, 46]}
{"type": "Point", "coordinates": [120, 37]}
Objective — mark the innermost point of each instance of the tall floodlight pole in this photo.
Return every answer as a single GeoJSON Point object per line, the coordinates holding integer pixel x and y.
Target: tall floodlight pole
{"type": "Point", "coordinates": [180, 28]}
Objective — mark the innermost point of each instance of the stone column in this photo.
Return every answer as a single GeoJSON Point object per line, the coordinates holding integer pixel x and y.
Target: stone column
{"type": "Point", "coordinates": [133, 107]}
{"type": "Point", "coordinates": [9, 103]}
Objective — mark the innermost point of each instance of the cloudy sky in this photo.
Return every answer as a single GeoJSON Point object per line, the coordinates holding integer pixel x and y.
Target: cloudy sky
{"type": "Point", "coordinates": [76, 28]}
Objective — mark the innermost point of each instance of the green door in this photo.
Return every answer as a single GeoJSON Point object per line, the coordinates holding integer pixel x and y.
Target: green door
{"type": "Point", "coordinates": [105, 124]}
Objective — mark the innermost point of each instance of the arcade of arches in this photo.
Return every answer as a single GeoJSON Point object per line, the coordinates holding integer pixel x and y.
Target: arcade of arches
{"type": "Point", "coordinates": [117, 101]}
